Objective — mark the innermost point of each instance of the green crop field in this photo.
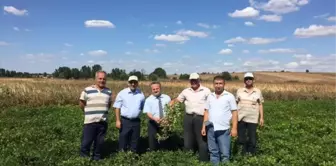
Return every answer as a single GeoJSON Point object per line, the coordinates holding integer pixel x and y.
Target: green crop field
{"type": "Point", "coordinates": [295, 133]}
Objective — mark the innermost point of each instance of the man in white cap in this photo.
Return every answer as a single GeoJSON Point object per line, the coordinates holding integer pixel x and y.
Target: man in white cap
{"type": "Point", "coordinates": [250, 110]}
{"type": "Point", "coordinates": [128, 106]}
{"type": "Point", "coordinates": [194, 99]}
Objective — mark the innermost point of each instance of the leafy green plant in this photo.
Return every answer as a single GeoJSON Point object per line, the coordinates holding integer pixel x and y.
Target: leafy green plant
{"type": "Point", "coordinates": [172, 122]}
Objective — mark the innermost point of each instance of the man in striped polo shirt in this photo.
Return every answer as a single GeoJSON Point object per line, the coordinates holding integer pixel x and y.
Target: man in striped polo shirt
{"type": "Point", "coordinates": [95, 101]}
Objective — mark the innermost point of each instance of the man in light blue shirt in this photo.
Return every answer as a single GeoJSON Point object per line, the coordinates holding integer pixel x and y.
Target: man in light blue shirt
{"type": "Point", "coordinates": [221, 109]}
{"type": "Point", "coordinates": [128, 106]}
{"type": "Point", "coordinates": [155, 109]}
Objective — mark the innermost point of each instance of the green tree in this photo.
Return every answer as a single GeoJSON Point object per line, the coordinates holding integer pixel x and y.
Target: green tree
{"type": "Point", "coordinates": [153, 77]}
{"type": "Point", "coordinates": [138, 74]}
{"type": "Point", "coordinates": [118, 74]}
{"type": "Point", "coordinates": [184, 76]}
{"type": "Point", "coordinates": [95, 68]}
{"type": "Point", "coordinates": [161, 73]}
{"type": "Point", "coordinates": [227, 76]}
{"type": "Point", "coordinates": [75, 73]}
{"type": "Point", "coordinates": [85, 72]}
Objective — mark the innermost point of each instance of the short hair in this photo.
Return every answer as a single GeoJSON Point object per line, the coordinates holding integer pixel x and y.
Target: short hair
{"type": "Point", "coordinates": [155, 82]}
{"type": "Point", "coordinates": [100, 71]}
{"type": "Point", "coordinates": [219, 78]}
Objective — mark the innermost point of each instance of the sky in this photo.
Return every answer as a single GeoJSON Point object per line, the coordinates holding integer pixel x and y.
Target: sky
{"type": "Point", "coordinates": [179, 36]}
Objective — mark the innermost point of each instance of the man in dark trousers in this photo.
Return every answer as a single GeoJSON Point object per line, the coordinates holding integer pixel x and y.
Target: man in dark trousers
{"type": "Point", "coordinates": [128, 106]}
{"type": "Point", "coordinates": [95, 101]}
{"type": "Point", "coordinates": [155, 109]}
{"type": "Point", "coordinates": [194, 99]}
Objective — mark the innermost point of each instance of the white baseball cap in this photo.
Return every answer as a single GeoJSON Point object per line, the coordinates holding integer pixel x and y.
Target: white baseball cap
{"type": "Point", "coordinates": [133, 78]}
{"type": "Point", "coordinates": [193, 76]}
{"type": "Point", "coordinates": [248, 75]}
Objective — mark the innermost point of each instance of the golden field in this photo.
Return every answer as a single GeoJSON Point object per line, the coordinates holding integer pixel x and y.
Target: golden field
{"type": "Point", "coordinates": [275, 86]}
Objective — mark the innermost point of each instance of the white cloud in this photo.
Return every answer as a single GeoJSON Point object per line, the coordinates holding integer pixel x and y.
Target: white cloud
{"type": "Point", "coordinates": [228, 64]}
{"type": "Point", "coordinates": [27, 30]}
{"type": "Point", "coordinates": [246, 51]}
{"type": "Point", "coordinates": [247, 12]}
{"type": "Point", "coordinates": [260, 63]}
{"type": "Point", "coordinates": [97, 53]}
{"type": "Point", "coordinates": [99, 24]}
{"type": "Point", "coordinates": [225, 51]}
{"type": "Point", "coordinates": [322, 15]}
{"type": "Point", "coordinates": [236, 40]}
{"type": "Point", "coordinates": [279, 6]}
{"type": "Point", "coordinates": [249, 23]}
{"type": "Point", "coordinates": [129, 43]}
{"type": "Point", "coordinates": [192, 33]}
{"type": "Point", "coordinates": [281, 51]}
{"type": "Point", "coordinates": [151, 50]}
{"type": "Point", "coordinates": [179, 22]}
{"type": "Point", "coordinates": [3, 43]}
{"type": "Point", "coordinates": [16, 29]}
{"type": "Point", "coordinates": [90, 61]}
{"type": "Point", "coordinates": [333, 18]}
{"type": "Point", "coordinates": [15, 11]}
{"type": "Point", "coordinates": [207, 26]}
{"type": "Point", "coordinates": [258, 40]}
{"type": "Point", "coordinates": [160, 45]}
{"type": "Point", "coordinates": [171, 38]}
{"type": "Point", "coordinates": [291, 65]}
{"type": "Point", "coordinates": [315, 31]}
{"type": "Point", "coordinates": [81, 54]}
{"type": "Point", "coordinates": [67, 45]}
{"type": "Point", "coordinates": [254, 40]}
{"type": "Point", "coordinates": [230, 45]}
{"type": "Point", "coordinates": [41, 57]}
{"type": "Point", "coordinates": [271, 18]}
{"type": "Point", "coordinates": [316, 63]}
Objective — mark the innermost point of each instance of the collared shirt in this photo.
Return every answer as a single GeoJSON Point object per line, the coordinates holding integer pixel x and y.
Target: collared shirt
{"type": "Point", "coordinates": [152, 105]}
{"type": "Point", "coordinates": [97, 103]}
{"type": "Point", "coordinates": [220, 109]}
{"type": "Point", "coordinates": [248, 104]}
{"type": "Point", "coordinates": [130, 103]}
{"type": "Point", "coordinates": [195, 100]}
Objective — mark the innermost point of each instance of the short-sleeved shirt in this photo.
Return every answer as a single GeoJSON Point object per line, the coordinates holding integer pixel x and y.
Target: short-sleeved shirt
{"type": "Point", "coordinates": [97, 104]}
{"type": "Point", "coordinates": [130, 103]}
{"type": "Point", "coordinates": [194, 100]}
{"type": "Point", "coordinates": [248, 104]}
{"type": "Point", "coordinates": [152, 105]}
{"type": "Point", "coordinates": [220, 109]}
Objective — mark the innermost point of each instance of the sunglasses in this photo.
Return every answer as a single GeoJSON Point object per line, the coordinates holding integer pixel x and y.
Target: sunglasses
{"type": "Point", "coordinates": [248, 78]}
{"type": "Point", "coordinates": [133, 82]}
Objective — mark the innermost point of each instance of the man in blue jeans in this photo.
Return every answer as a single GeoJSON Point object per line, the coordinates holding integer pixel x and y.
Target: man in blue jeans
{"type": "Point", "coordinates": [221, 109]}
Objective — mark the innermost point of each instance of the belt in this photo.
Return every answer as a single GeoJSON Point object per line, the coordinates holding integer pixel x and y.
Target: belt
{"type": "Point", "coordinates": [131, 119]}
{"type": "Point", "coordinates": [194, 114]}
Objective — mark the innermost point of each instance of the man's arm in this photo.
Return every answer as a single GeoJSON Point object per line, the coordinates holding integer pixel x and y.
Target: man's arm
{"type": "Point", "coordinates": [180, 98]}
{"type": "Point", "coordinates": [117, 105]}
{"type": "Point", "coordinates": [261, 109]}
{"type": "Point", "coordinates": [233, 107]}
{"type": "Point", "coordinates": [82, 100]}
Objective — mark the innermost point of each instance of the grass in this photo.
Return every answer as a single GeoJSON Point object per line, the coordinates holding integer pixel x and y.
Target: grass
{"type": "Point", "coordinates": [39, 92]}
{"type": "Point", "coordinates": [295, 133]}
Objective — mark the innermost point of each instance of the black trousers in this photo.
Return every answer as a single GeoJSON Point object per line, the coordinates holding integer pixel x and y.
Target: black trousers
{"type": "Point", "coordinates": [153, 129]}
{"type": "Point", "coordinates": [192, 135]}
{"type": "Point", "coordinates": [93, 132]}
{"type": "Point", "coordinates": [129, 134]}
{"type": "Point", "coordinates": [247, 136]}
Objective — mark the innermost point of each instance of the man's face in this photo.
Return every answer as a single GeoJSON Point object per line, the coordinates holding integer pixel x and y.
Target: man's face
{"type": "Point", "coordinates": [194, 83]}
{"type": "Point", "coordinates": [133, 84]}
{"type": "Point", "coordinates": [101, 80]}
{"type": "Point", "coordinates": [248, 81]}
{"type": "Point", "coordinates": [156, 89]}
{"type": "Point", "coordinates": [219, 85]}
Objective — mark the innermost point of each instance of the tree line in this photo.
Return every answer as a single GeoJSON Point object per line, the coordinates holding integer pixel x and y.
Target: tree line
{"type": "Point", "coordinates": [87, 72]}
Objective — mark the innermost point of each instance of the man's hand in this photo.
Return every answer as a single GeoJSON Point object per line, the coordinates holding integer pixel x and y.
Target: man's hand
{"type": "Point", "coordinates": [233, 132]}
{"type": "Point", "coordinates": [157, 120]}
{"type": "Point", "coordinates": [118, 124]}
{"type": "Point", "coordinates": [261, 122]}
{"type": "Point", "coordinates": [203, 132]}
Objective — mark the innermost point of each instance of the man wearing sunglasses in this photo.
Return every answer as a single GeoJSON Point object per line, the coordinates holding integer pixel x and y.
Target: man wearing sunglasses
{"type": "Point", "coordinates": [128, 106]}
{"type": "Point", "coordinates": [250, 111]}
{"type": "Point", "coordinates": [194, 99]}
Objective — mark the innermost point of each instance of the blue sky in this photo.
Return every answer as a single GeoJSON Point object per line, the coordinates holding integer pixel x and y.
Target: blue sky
{"type": "Point", "coordinates": [179, 36]}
